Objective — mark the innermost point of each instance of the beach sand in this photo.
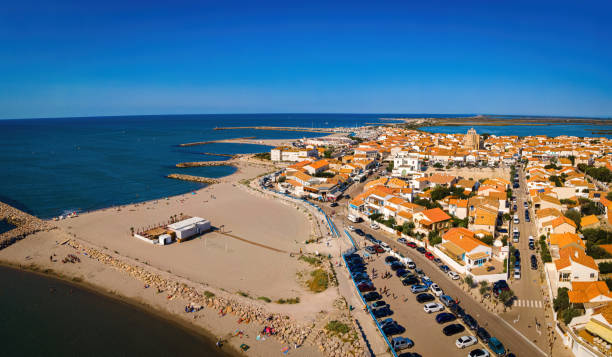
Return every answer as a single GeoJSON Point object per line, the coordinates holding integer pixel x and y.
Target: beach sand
{"type": "Point", "coordinates": [258, 264]}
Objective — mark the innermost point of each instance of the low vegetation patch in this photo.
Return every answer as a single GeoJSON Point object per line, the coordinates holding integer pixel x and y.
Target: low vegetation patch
{"type": "Point", "coordinates": [263, 156]}
{"type": "Point", "coordinates": [295, 300]}
{"type": "Point", "coordinates": [243, 294]}
{"type": "Point", "coordinates": [319, 281]}
{"type": "Point", "coordinates": [264, 298]}
{"type": "Point", "coordinates": [311, 260]}
{"type": "Point", "coordinates": [337, 328]}
{"type": "Point", "coordinates": [209, 294]}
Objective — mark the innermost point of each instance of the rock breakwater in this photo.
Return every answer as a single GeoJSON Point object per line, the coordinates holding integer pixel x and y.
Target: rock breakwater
{"type": "Point", "coordinates": [200, 179]}
{"type": "Point", "coordinates": [25, 224]}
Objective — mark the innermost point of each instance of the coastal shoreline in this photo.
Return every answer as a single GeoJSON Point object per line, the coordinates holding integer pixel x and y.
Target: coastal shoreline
{"type": "Point", "coordinates": [140, 305]}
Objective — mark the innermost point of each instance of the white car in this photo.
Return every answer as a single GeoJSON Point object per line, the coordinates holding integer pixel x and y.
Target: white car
{"type": "Point", "coordinates": [453, 275]}
{"type": "Point", "coordinates": [374, 226]}
{"type": "Point", "coordinates": [436, 289]}
{"type": "Point", "coordinates": [517, 274]}
{"type": "Point", "coordinates": [433, 307]}
{"type": "Point", "coordinates": [465, 341]}
{"type": "Point", "coordinates": [385, 246]}
{"type": "Point", "coordinates": [351, 228]}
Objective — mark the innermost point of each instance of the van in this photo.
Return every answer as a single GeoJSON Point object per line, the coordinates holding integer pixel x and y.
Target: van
{"type": "Point", "coordinates": [353, 218]}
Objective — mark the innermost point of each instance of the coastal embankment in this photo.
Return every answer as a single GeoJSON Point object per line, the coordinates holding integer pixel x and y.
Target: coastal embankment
{"type": "Point", "coordinates": [279, 128]}
{"type": "Point", "coordinates": [214, 141]}
{"type": "Point", "coordinates": [24, 224]}
{"type": "Point", "coordinates": [204, 163]}
{"type": "Point", "coordinates": [192, 178]}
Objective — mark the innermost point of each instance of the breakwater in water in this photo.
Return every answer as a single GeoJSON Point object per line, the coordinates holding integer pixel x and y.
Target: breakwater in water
{"type": "Point", "coordinates": [23, 223]}
{"type": "Point", "coordinates": [196, 143]}
{"type": "Point", "coordinates": [193, 178]}
{"type": "Point", "coordinates": [278, 128]}
{"type": "Point", "coordinates": [204, 163]}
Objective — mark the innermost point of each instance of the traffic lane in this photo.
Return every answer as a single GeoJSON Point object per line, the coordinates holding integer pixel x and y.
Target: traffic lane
{"type": "Point", "coordinates": [492, 323]}
{"type": "Point", "coordinates": [420, 326]}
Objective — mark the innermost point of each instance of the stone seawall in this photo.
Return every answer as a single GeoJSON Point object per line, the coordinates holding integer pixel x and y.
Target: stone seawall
{"type": "Point", "coordinates": [200, 179]}
{"type": "Point", "coordinates": [204, 163]}
{"type": "Point", "coordinates": [25, 224]}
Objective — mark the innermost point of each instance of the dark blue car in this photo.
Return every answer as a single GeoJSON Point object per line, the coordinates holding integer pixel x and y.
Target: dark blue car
{"type": "Point", "coordinates": [445, 317]}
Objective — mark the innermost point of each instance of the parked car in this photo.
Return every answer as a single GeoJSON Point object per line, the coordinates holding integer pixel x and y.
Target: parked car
{"type": "Point", "coordinates": [421, 250]}
{"type": "Point", "coordinates": [453, 275]}
{"type": "Point", "coordinates": [457, 310]}
{"type": "Point", "coordinates": [419, 271]}
{"type": "Point", "coordinates": [465, 341]}
{"type": "Point", "coordinates": [426, 281]}
{"type": "Point", "coordinates": [470, 322]}
{"type": "Point", "coordinates": [411, 265]}
{"type": "Point", "coordinates": [374, 225]}
{"type": "Point", "coordinates": [397, 265]}
{"type": "Point", "coordinates": [401, 343]}
{"type": "Point", "coordinates": [445, 317]}
{"type": "Point", "coordinates": [433, 307]}
{"type": "Point", "coordinates": [479, 352]}
{"type": "Point", "coordinates": [496, 346]}
{"type": "Point", "coordinates": [334, 204]}
{"type": "Point", "coordinates": [517, 274]}
{"type": "Point", "coordinates": [429, 256]}
{"type": "Point", "coordinates": [390, 259]}
{"type": "Point", "coordinates": [425, 297]}
{"type": "Point", "coordinates": [410, 280]}
{"type": "Point", "coordinates": [444, 268]}
{"type": "Point", "coordinates": [531, 246]}
{"type": "Point", "coordinates": [483, 335]}
{"type": "Point", "coordinates": [371, 238]}
{"type": "Point", "coordinates": [379, 249]}
{"type": "Point", "coordinates": [447, 300]}
{"type": "Point", "coordinates": [382, 312]}
{"type": "Point", "coordinates": [402, 240]}
{"type": "Point", "coordinates": [363, 287]}
{"type": "Point", "coordinates": [436, 290]}
{"type": "Point", "coordinates": [372, 296]}
{"type": "Point", "coordinates": [437, 260]}
{"type": "Point", "coordinates": [351, 228]}
{"type": "Point", "coordinates": [453, 329]}
{"type": "Point", "coordinates": [359, 232]}
{"type": "Point", "coordinates": [411, 244]}
{"type": "Point", "coordinates": [379, 303]}
{"type": "Point", "coordinates": [418, 289]}
{"type": "Point", "coordinates": [370, 249]}
{"type": "Point", "coordinates": [402, 273]}
{"type": "Point", "coordinates": [393, 329]}
{"type": "Point", "coordinates": [384, 246]}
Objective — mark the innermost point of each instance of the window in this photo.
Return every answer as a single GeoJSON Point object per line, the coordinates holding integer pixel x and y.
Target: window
{"type": "Point", "coordinates": [592, 275]}
{"type": "Point", "coordinates": [564, 277]}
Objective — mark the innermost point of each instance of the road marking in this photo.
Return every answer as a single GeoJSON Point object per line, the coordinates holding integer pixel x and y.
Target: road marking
{"type": "Point", "coordinates": [534, 304]}
{"type": "Point", "coordinates": [525, 338]}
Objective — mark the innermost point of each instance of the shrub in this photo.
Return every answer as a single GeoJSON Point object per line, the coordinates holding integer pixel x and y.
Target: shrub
{"type": "Point", "coordinates": [605, 267]}
{"type": "Point", "coordinates": [209, 294]}
{"type": "Point", "coordinates": [288, 301]}
{"type": "Point", "coordinates": [561, 302]}
{"type": "Point", "coordinates": [311, 260]}
{"type": "Point", "coordinates": [337, 327]}
{"type": "Point", "coordinates": [264, 298]}
{"type": "Point", "coordinates": [319, 281]}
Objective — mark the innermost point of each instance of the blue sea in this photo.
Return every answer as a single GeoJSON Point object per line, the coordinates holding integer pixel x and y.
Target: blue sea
{"type": "Point", "coordinates": [52, 166]}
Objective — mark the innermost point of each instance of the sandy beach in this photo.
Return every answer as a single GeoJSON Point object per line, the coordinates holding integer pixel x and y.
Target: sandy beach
{"type": "Point", "coordinates": [254, 259]}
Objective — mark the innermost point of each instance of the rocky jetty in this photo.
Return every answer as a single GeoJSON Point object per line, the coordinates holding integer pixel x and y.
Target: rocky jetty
{"type": "Point", "coordinates": [201, 179]}
{"type": "Point", "coordinates": [25, 224]}
{"type": "Point", "coordinates": [204, 163]}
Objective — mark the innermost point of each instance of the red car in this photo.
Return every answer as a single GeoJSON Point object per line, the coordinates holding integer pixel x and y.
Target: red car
{"type": "Point", "coordinates": [411, 244]}
{"type": "Point", "coordinates": [379, 249]}
{"type": "Point", "coordinates": [429, 256]}
{"type": "Point", "coordinates": [363, 287]}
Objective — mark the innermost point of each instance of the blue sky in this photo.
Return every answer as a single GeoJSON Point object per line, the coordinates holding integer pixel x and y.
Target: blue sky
{"type": "Point", "coordinates": [79, 58]}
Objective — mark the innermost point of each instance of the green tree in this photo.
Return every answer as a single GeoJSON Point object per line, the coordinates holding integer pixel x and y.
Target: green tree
{"type": "Point", "coordinates": [574, 216]}
{"type": "Point", "coordinates": [469, 281]}
{"type": "Point", "coordinates": [561, 302]}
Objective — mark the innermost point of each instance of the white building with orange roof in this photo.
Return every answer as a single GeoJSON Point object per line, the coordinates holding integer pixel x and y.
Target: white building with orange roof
{"type": "Point", "coordinates": [592, 294]}
{"type": "Point", "coordinates": [288, 153]}
{"type": "Point", "coordinates": [461, 244]}
{"type": "Point", "coordinates": [432, 219]}
{"type": "Point", "coordinates": [560, 224]}
{"type": "Point", "coordinates": [458, 208]}
{"type": "Point", "coordinates": [317, 167]}
{"type": "Point", "coordinates": [558, 241]}
{"type": "Point", "coordinates": [574, 265]}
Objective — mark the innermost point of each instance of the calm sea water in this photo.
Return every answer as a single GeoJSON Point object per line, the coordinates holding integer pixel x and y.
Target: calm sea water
{"type": "Point", "coordinates": [524, 130]}
{"type": "Point", "coordinates": [74, 322]}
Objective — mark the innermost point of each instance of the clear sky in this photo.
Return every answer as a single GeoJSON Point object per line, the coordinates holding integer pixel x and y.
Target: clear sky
{"type": "Point", "coordinates": [83, 58]}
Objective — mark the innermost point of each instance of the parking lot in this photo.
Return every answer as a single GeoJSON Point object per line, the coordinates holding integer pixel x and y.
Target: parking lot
{"type": "Point", "coordinates": [420, 326]}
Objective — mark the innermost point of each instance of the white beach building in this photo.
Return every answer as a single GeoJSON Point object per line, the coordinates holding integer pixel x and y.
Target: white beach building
{"type": "Point", "coordinates": [189, 227]}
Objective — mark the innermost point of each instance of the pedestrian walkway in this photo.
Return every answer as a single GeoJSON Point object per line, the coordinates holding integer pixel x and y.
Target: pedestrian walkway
{"type": "Point", "coordinates": [535, 304]}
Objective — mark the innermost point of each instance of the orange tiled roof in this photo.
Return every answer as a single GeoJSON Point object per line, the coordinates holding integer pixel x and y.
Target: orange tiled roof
{"type": "Point", "coordinates": [587, 291]}
{"type": "Point", "coordinates": [588, 220]}
{"type": "Point", "coordinates": [464, 238]}
{"type": "Point", "coordinates": [565, 239]}
{"type": "Point", "coordinates": [568, 255]}
{"type": "Point", "coordinates": [436, 215]}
